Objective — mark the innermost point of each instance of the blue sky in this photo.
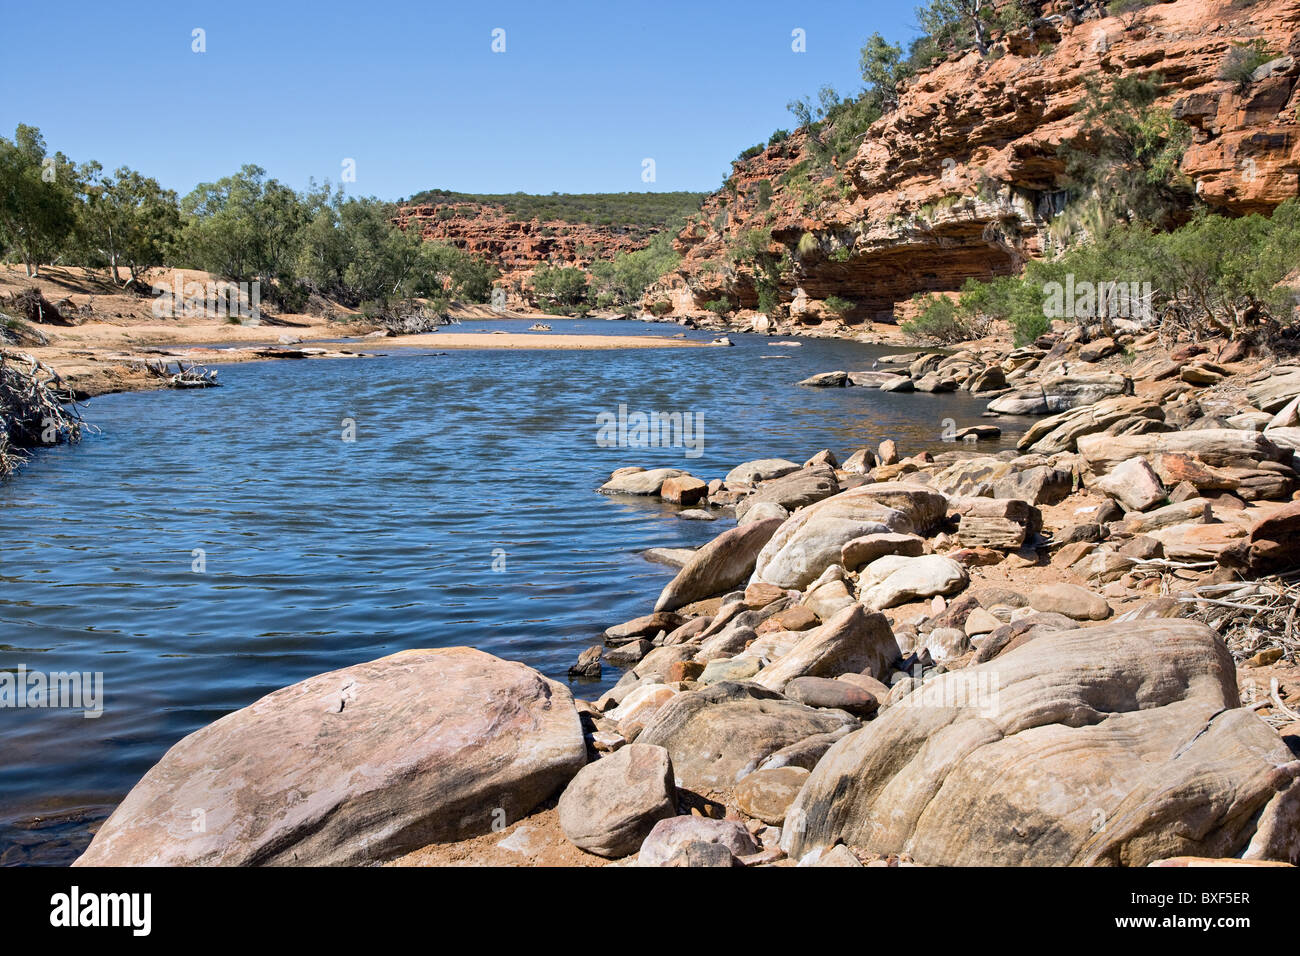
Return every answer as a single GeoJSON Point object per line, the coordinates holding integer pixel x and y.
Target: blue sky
{"type": "Point", "coordinates": [413, 92]}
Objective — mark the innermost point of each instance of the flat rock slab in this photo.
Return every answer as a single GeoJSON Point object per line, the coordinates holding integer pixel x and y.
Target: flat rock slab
{"type": "Point", "coordinates": [354, 766]}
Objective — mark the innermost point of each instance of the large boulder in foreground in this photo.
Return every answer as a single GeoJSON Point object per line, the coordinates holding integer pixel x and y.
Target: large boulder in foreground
{"type": "Point", "coordinates": [717, 735]}
{"type": "Point", "coordinates": [810, 541]}
{"type": "Point", "coordinates": [724, 563]}
{"type": "Point", "coordinates": [1113, 745]}
{"type": "Point", "coordinates": [354, 766]}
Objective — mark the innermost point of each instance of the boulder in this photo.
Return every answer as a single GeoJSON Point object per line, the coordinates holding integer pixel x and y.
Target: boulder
{"type": "Point", "coordinates": [875, 379]}
{"type": "Point", "coordinates": [907, 579]}
{"type": "Point", "coordinates": [729, 669]}
{"type": "Point", "coordinates": [639, 482]}
{"type": "Point", "coordinates": [767, 794]}
{"type": "Point", "coordinates": [1060, 392]}
{"type": "Point", "coordinates": [1217, 447]}
{"type": "Point", "coordinates": [1083, 747]}
{"type": "Point", "coordinates": [588, 664]}
{"type": "Point", "coordinates": [1271, 394]}
{"type": "Point", "coordinates": [795, 490]}
{"type": "Point", "coordinates": [639, 706]}
{"type": "Point", "coordinates": [1272, 545]}
{"type": "Point", "coordinates": [610, 807]}
{"type": "Point", "coordinates": [804, 753]}
{"type": "Point", "coordinates": [854, 554]}
{"type": "Point", "coordinates": [354, 766]}
{"type": "Point", "coordinates": [1040, 485]}
{"type": "Point", "coordinates": [854, 640]}
{"type": "Point", "coordinates": [828, 595]}
{"type": "Point", "coordinates": [810, 541]}
{"type": "Point", "coordinates": [1198, 542]}
{"type": "Point", "coordinates": [762, 469]}
{"type": "Point", "coordinates": [718, 734]}
{"type": "Point", "coordinates": [826, 380]}
{"type": "Point", "coordinates": [860, 462]}
{"type": "Point", "coordinates": [668, 836]}
{"type": "Point", "coordinates": [1060, 433]}
{"type": "Point", "coordinates": [683, 490]}
{"type": "Point", "coordinates": [831, 693]}
{"type": "Point", "coordinates": [647, 626]}
{"type": "Point", "coordinates": [1134, 484]}
{"type": "Point", "coordinates": [1074, 602]}
{"type": "Point", "coordinates": [723, 564]}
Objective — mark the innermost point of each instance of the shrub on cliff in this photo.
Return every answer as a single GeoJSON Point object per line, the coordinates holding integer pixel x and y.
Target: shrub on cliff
{"type": "Point", "coordinates": [1010, 299]}
{"type": "Point", "coordinates": [1124, 164]}
{"type": "Point", "coordinates": [1213, 276]}
{"type": "Point", "coordinates": [1241, 61]}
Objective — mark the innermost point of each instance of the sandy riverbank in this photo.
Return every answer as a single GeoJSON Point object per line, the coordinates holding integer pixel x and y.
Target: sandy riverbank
{"type": "Point", "coordinates": [110, 336]}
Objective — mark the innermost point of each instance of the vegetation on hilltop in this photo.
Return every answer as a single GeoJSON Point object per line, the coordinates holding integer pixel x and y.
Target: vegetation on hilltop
{"type": "Point", "coordinates": [636, 213]}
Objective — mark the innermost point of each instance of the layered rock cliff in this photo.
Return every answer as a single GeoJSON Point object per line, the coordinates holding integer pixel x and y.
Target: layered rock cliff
{"type": "Point", "coordinates": [515, 246]}
{"type": "Point", "coordinates": [964, 178]}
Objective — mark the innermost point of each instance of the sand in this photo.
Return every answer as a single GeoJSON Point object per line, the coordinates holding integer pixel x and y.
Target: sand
{"type": "Point", "coordinates": [116, 334]}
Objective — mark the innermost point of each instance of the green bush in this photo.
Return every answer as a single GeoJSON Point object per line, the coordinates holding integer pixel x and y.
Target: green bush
{"type": "Point", "coordinates": [838, 306]}
{"type": "Point", "coordinates": [939, 321]}
{"type": "Point", "coordinates": [560, 289]}
{"type": "Point", "coordinates": [1124, 165]}
{"type": "Point", "coordinates": [1242, 60]}
{"type": "Point", "coordinates": [719, 306]}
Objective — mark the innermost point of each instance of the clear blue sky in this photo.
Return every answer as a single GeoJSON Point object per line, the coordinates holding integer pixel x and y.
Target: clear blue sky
{"type": "Point", "coordinates": [414, 94]}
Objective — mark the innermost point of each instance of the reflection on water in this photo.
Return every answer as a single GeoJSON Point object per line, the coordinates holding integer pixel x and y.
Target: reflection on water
{"type": "Point", "coordinates": [463, 513]}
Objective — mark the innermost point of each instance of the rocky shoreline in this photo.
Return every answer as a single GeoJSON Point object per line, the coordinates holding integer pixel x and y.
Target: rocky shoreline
{"type": "Point", "coordinates": [1082, 652]}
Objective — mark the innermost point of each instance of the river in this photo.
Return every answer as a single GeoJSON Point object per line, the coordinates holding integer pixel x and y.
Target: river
{"type": "Point", "coordinates": [207, 547]}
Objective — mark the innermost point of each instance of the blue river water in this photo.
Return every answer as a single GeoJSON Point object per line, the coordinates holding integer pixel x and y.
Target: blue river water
{"type": "Point", "coordinates": [207, 547]}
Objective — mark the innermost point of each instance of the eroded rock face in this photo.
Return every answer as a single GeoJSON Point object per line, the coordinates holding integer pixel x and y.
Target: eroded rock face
{"type": "Point", "coordinates": [1136, 726]}
{"type": "Point", "coordinates": [354, 766]}
{"type": "Point", "coordinates": [902, 220]}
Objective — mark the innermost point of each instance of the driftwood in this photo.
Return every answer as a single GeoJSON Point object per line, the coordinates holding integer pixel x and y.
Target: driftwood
{"type": "Point", "coordinates": [191, 376]}
{"type": "Point", "coordinates": [1252, 616]}
{"type": "Point", "coordinates": [35, 408]}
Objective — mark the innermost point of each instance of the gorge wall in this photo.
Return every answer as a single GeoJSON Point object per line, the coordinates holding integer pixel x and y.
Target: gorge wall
{"type": "Point", "coordinates": [515, 246]}
{"type": "Point", "coordinates": [963, 179]}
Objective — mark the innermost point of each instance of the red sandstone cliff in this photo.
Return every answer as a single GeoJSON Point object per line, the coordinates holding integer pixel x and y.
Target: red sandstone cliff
{"type": "Point", "coordinates": [518, 247]}
{"type": "Point", "coordinates": [963, 178]}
